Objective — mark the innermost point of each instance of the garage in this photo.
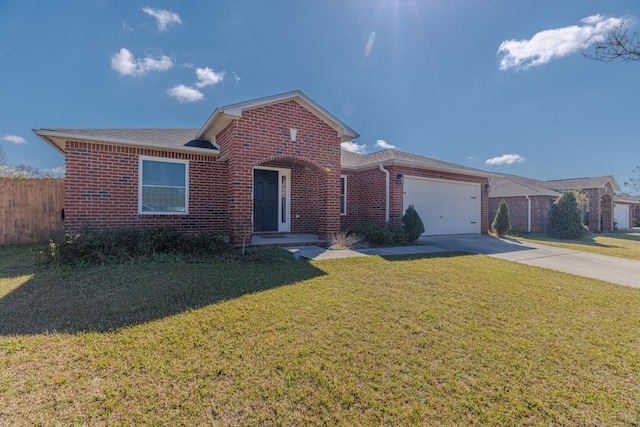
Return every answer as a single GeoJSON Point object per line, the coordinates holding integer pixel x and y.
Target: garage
{"type": "Point", "coordinates": [446, 207]}
{"type": "Point", "coordinates": [621, 216]}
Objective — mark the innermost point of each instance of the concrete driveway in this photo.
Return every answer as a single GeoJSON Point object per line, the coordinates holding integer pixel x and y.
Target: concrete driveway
{"type": "Point", "coordinates": [610, 269]}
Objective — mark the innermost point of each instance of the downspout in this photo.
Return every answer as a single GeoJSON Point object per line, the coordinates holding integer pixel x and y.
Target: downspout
{"type": "Point", "coordinates": [387, 191]}
{"type": "Point", "coordinates": [528, 214]}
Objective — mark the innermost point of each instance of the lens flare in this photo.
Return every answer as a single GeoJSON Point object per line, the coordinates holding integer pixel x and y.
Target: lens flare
{"type": "Point", "coordinates": [370, 42]}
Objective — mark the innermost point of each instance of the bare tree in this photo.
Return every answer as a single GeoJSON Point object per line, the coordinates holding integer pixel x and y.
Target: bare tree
{"type": "Point", "coordinates": [620, 43]}
{"type": "Point", "coordinates": [624, 44]}
{"type": "Point", "coordinates": [634, 182]}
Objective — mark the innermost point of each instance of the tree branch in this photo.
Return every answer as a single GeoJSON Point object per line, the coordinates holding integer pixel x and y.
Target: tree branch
{"type": "Point", "coordinates": [620, 43]}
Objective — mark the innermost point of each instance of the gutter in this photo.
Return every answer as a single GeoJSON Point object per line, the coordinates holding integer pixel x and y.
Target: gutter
{"type": "Point", "coordinates": [528, 213]}
{"type": "Point", "coordinates": [387, 191]}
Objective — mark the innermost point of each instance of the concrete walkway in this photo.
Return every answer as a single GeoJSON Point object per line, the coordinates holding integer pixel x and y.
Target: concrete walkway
{"type": "Point", "coordinates": [316, 252]}
{"type": "Point", "coordinates": [616, 270]}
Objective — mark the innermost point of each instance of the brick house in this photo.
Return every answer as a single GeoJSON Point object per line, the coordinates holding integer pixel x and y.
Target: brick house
{"type": "Point", "coordinates": [269, 166]}
{"type": "Point", "coordinates": [530, 200]}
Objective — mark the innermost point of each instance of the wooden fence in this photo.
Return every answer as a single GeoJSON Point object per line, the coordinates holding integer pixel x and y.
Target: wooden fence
{"type": "Point", "coordinates": [30, 209]}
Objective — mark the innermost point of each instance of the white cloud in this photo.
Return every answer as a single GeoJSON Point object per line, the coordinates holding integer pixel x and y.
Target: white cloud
{"type": "Point", "coordinates": [384, 144]}
{"type": "Point", "coordinates": [354, 147]}
{"type": "Point", "coordinates": [126, 64]}
{"type": "Point", "coordinates": [7, 170]}
{"type": "Point", "coordinates": [505, 159]}
{"type": "Point", "coordinates": [15, 139]}
{"type": "Point", "coordinates": [208, 77]}
{"type": "Point", "coordinates": [548, 45]}
{"type": "Point", "coordinates": [164, 17]}
{"type": "Point", "coordinates": [185, 93]}
{"type": "Point", "coordinates": [58, 170]}
{"type": "Point", "coordinates": [236, 77]}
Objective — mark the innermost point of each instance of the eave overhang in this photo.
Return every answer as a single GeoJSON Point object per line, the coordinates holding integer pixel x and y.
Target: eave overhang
{"type": "Point", "coordinates": [58, 141]}
{"type": "Point", "coordinates": [418, 165]}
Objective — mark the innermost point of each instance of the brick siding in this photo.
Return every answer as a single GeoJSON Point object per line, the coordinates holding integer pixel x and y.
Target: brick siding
{"type": "Point", "coordinates": [101, 189]}
{"type": "Point", "coordinates": [366, 190]}
{"type": "Point", "coordinates": [519, 211]}
{"type": "Point", "coordinates": [262, 138]}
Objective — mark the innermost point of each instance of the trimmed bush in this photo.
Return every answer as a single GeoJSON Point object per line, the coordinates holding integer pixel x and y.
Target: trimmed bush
{"type": "Point", "coordinates": [381, 234]}
{"type": "Point", "coordinates": [502, 222]}
{"type": "Point", "coordinates": [376, 234]}
{"type": "Point", "coordinates": [565, 218]}
{"type": "Point", "coordinates": [412, 223]}
{"type": "Point", "coordinates": [105, 246]}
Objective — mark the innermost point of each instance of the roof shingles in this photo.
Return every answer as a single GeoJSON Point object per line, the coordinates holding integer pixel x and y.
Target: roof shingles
{"type": "Point", "coordinates": [164, 137]}
{"type": "Point", "coordinates": [352, 160]}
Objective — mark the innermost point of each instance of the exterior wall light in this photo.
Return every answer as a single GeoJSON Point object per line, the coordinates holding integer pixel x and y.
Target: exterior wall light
{"type": "Point", "coordinates": [400, 179]}
{"type": "Point", "coordinates": [488, 188]}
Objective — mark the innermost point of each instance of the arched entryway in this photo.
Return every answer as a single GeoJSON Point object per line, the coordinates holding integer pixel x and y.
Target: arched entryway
{"type": "Point", "coordinates": [606, 213]}
{"type": "Point", "coordinates": [292, 195]}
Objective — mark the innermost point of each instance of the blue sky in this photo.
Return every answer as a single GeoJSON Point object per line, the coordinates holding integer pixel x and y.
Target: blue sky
{"type": "Point", "coordinates": [499, 85]}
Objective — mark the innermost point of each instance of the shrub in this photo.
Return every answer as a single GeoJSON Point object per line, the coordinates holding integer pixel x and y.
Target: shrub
{"type": "Point", "coordinates": [565, 218]}
{"type": "Point", "coordinates": [376, 234]}
{"type": "Point", "coordinates": [104, 246]}
{"type": "Point", "coordinates": [413, 226]}
{"type": "Point", "coordinates": [502, 222]}
{"type": "Point", "coordinates": [399, 235]}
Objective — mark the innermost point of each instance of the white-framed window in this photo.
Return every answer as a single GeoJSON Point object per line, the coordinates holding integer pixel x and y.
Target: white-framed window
{"type": "Point", "coordinates": [163, 186]}
{"type": "Point", "coordinates": [343, 194]}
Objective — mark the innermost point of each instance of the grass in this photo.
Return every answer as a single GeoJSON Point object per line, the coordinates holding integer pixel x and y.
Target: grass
{"type": "Point", "coordinates": [622, 243]}
{"type": "Point", "coordinates": [446, 339]}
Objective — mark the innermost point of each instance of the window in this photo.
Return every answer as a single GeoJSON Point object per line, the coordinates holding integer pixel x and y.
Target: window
{"type": "Point", "coordinates": [163, 186]}
{"type": "Point", "coordinates": [585, 220]}
{"type": "Point", "coordinates": [343, 194]}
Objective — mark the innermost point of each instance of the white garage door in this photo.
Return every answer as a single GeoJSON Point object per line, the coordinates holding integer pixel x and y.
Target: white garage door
{"type": "Point", "coordinates": [446, 207]}
{"type": "Point", "coordinates": [621, 215]}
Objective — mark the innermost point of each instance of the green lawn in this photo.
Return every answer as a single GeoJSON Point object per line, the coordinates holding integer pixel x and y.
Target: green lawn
{"type": "Point", "coordinates": [622, 243]}
{"type": "Point", "coordinates": [442, 340]}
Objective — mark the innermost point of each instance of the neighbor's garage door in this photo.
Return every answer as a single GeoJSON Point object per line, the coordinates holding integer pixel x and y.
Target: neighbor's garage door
{"type": "Point", "coordinates": [621, 215]}
{"type": "Point", "coordinates": [446, 207]}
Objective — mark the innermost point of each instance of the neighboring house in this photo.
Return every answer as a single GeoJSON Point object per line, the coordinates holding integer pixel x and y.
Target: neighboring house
{"type": "Point", "coordinates": [598, 213]}
{"type": "Point", "coordinates": [626, 211]}
{"type": "Point", "coordinates": [270, 165]}
{"type": "Point", "coordinates": [530, 200]}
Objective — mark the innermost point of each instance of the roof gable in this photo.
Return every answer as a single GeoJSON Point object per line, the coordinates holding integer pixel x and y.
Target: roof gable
{"type": "Point", "coordinates": [222, 116]}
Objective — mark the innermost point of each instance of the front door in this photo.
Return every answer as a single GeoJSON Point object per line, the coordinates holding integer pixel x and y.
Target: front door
{"type": "Point", "coordinates": [265, 200]}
